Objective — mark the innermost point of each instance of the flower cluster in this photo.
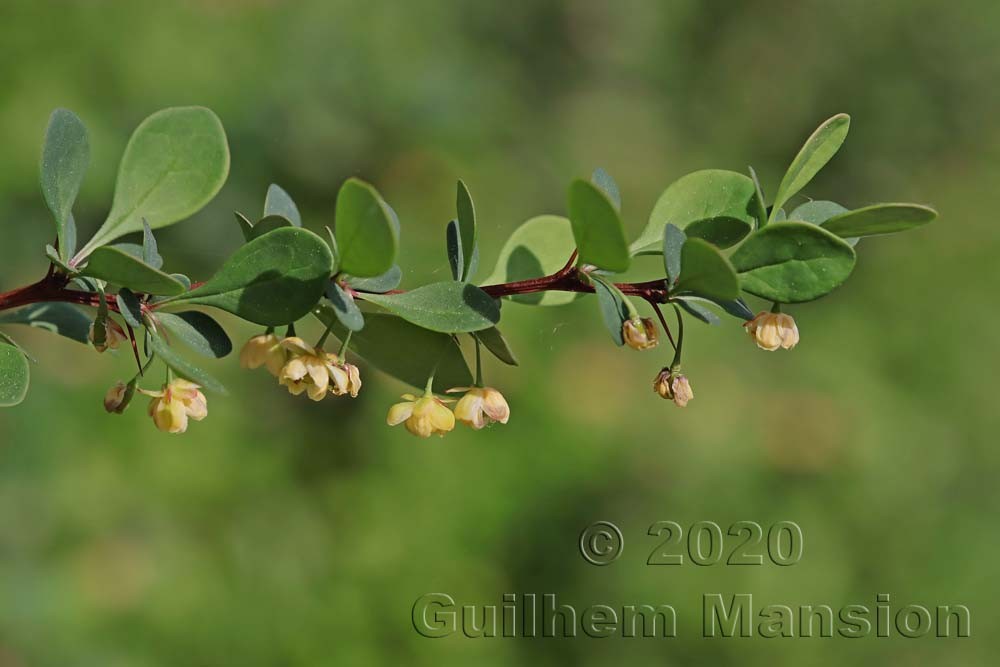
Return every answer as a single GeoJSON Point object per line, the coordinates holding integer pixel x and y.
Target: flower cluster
{"type": "Point", "coordinates": [300, 367]}
{"type": "Point", "coordinates": [429, 415]}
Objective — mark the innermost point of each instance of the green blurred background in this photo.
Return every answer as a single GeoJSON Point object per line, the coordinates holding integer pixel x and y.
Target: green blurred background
{"type": "Point", "coordinates": [282, 532]}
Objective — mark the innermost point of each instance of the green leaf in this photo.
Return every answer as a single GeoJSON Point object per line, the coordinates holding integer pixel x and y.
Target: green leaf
{"type": "Point", "coordinates": [65, 158]}
{"type": "Point", "coordinates": [198, 331]}
{"type": "Point", "coordinates": [673, 241]}
{"type": "Point", "coordinates": [879, 219]}
{"type": "Point", "coordinates": [383, 283]}
{"type": "Point", "coordinates": [118, 266]}
{"type": "Point", "coordinates": [366, 232]}
{"type": "Point", "coordinates": [792, 262]}
{"type": "Point", "coordinates": [495, 342]}
{"type": "Point", "coordinates": [343, 305]}
{"type": "Point", "coordinates": [150, 251]}
{"type": "Point", "coordinates": [245, 225]}
{"type": "Point", "coordinates": [448, 307]}
{"type": "Point", "coordinates": [723, 203]}
{"type": "Point", "coordinates": [279, 203]}
{"type": "Point", "coordinates": [607, 185]}
{"type": "Point", "coordinates": [817, 212]}
{"type": "Point", "coordinates": [597, 228]}
{"type": "Point", "coordinates": [183, 367]}
{"type": "Point", "coordinates": [14, 376]}
{"type": "Point", "coordinates": [268, 224]}
{"type": "Point", "coordinates": [705, 271]}
{"type": "Point", "coordinates": [539, 247]}
{"type": "Point", "coordinates": [815, 153]}
{"type": "Point", "coordinates": [453, 243]}
{"type": "Point", "coordinates": [760, 208]}
{"type": "Point", "coordinates": [57, 317]}
{"type": "Point", "coordinates": [614, 307]}
{"type": "Point", "coordinates": [403, 350]}
{"type": "Point", "coordinates": [175, 163]}
{"type": "Point", "coordinates": [467, 230]}
{"type": "Point", "coordinates": [273, 280]}
{"type": "Point", "coordinates": [130, 308]}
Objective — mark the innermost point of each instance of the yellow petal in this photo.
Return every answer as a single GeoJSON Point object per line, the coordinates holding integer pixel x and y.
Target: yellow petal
{"type": "Point", "coordinates": [399, 413]}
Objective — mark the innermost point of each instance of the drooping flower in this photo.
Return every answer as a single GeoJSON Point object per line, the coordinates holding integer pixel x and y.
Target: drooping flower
{"type": "Point", "coordinates": [424, 416]}
{"type": "Point", "coordinates": [640, 334]}
{"type": "Point", "coordinates": [345, 378]}
{"type": "Point", "coordinates": [481, 406]}
{"type": "Point", "coordinates": [178, 401]}
{"type": "Point", "coordinates": [264, 350]}
{"type": "Point", "coordinates": [113, 336]}
{"type": "Point", "coordinates": [316, 372]}
{"type": "Point", "coordinates": [673, 386]}
{"type": "Point", "coordinates": [773, 330]}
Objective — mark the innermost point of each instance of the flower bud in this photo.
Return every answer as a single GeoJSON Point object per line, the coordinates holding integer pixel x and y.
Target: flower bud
{"type": "Point", "coordinates": [423, 417]}
{"type": "Point", "coordinates": [673, 386]}
{"type": "Point", "coordinates": [640, 334]}
{"type": "Point", "coordinates": [773, 330]}
{"type": "Point", "coordinates": [264, 350]}
{"type": "Point", "coordinates": [118, 397]}
{"type": "Point", "coordinates": [481, 406]}
{"type": "Point", "coordinates": [345, 378]}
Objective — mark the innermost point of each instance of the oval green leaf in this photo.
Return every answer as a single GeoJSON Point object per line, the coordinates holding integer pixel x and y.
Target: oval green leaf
{"type": "Point", "coordinates": [366, 233]}
{"type": "Point", "coordinates": [387, 281]}
{"type": "Point", "coordinates": [175, 163]}
{"type": "Point", "coordinates": [57, 317]}
{"type": "Point", "coordinates": [466, 230]}
{"type": "Point", "coordinates": [343, 305]}
{"type": "Point", "coordinates": [613, 306]}
{"type": "Point", "coordinates": [597, 228]}
{"type": "Point", "coordinates": [65, 158]}
{"type": "Point", "coordinates": [278, 202]}
{"type": "Point", "coordinates": [706, 272]}
{"type": "Point", "coordinates": [817, 212]}
{"type": "Point", "coordinates": [791, 262]}
{"type": "Point", "coordinates": [539, 247]}
{"type": "Point", "coordinates": [723, 203]}
{"type": "Point", "coordinates": [198, 331]}
{"type": "Point", "coordinates": [120, 267]}
{"type": "Point", "coordinates": [273, 280]}
{"type": "Point", "coordinates": [496, 343]}
{"type": "Point", "coordinates": [447, 307]}
{"type": "Point", "coordinates": [879, 219]}
{"type": "Point", "coordinates": [14, 376]}
{"type": "Point", "coordinates": [819, 148]}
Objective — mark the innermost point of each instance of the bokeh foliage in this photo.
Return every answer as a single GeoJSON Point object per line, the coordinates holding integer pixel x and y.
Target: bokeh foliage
{"type": "Point", "coordinates": [282, 532]}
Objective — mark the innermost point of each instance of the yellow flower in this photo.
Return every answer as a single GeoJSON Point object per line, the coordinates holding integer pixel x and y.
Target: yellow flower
{"type": "Point", "coordinates": [424, 416]}
{"type": "Point", "coordinates": [481, 406]}
{"type": "Point", "coordinates": [640, 334]}
{"type": "Point", "coordinates": [178, 401]}
{"type": "Point", "coordinates": [773, 330]}
{"type": "Point", "coordinates": [113, 336]}
{"type": "Point", "coordinates": [117, 398]}
{"type": "Point", "coordinates": [316, 372]}
{"type": "Point", "coordinates": [264, 350]}
{"type": "Point", "coordinates": [673, 386]}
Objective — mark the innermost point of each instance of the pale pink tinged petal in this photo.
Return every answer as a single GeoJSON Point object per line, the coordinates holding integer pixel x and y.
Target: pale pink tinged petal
{"type": "Point", "coordinates": [457, 390]}
{"type": "Point", "coordinates": [341, 380]}
{"type": "Point", "coordinates": [275, 359]}
{"type": "Point", "coordinates": [495, 406]}
{"type": "Point", "coordinates": [197, 407]}
{"type": "Point", "coordinates": [399, 413]}
{"type": "Point", "coordinates": [469, 410]}
{"type": "Point", "coordinates": [355, 379]}
{"type": "Point", "coordinates": [315, 392]}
